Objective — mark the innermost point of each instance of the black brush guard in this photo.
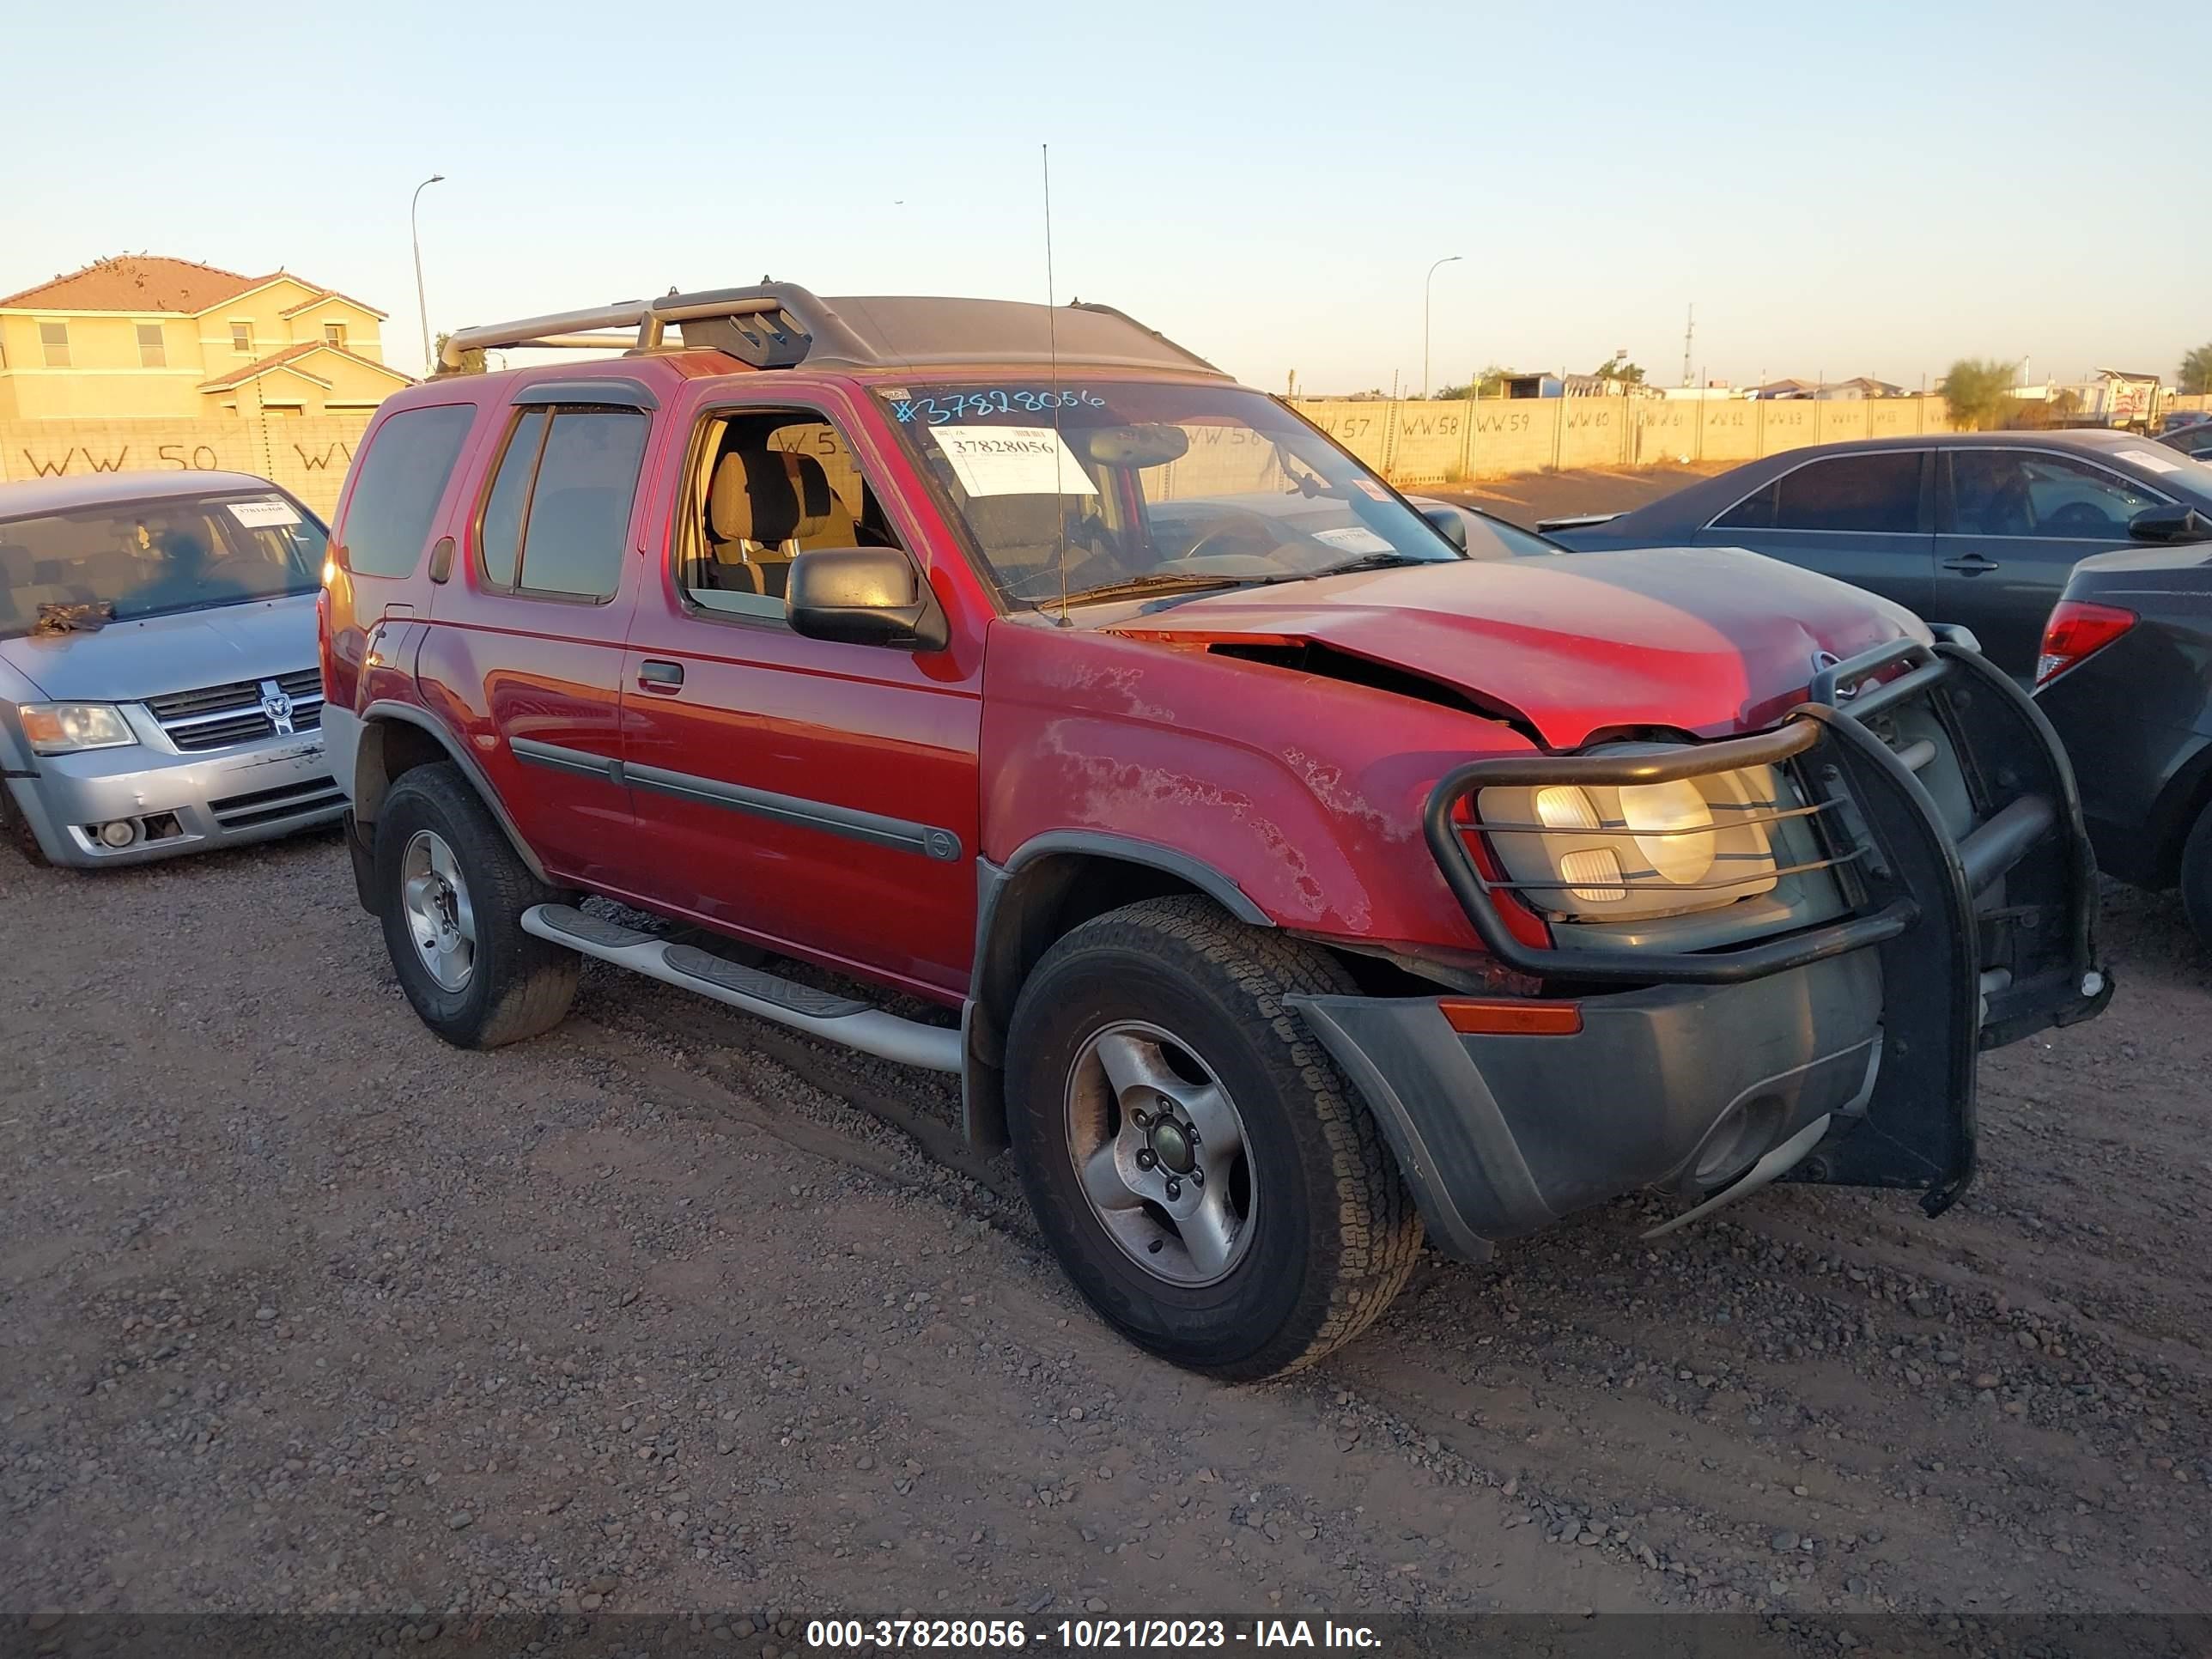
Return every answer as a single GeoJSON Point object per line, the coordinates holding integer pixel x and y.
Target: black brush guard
{"type": "Point", "coordinates": [1984, 939]}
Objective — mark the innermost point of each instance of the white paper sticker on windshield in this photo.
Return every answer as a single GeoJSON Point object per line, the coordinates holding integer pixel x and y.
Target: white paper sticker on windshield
{"type": "Point", "coordinates": [2151, 458]}
{"type": "Point", "coordinates": [255, 514]}
{"type": "Point", "coordinates": [1012, 460]}
{"type": "Point", "coordinates": [1354, 539]}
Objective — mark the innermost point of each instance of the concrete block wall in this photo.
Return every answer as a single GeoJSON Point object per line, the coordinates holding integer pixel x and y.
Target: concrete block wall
{"type": "Point", "coordinates": [307, 455]}
{"type": "Point", "coordinates": [1417, 442]}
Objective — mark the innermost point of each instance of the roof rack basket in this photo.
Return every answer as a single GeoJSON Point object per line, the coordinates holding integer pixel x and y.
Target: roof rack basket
{"type": "Point", "coordinates": [775, 325]}
{"type": "Point", "coordinates": [781, 324]}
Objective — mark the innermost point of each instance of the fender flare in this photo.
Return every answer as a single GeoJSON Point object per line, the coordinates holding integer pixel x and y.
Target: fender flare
{"type": "Point", "coordinates": [990, 988]}
{"type": "Point", "coordinates": [407, 715]}
{"type": "Point", "coordinates": [1098, 843]}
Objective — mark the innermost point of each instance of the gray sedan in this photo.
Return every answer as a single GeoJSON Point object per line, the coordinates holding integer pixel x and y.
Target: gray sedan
{"type": "Point", "coordinates": [158, 688]}
{"type": "Point", "coordinates": [1979, 528]}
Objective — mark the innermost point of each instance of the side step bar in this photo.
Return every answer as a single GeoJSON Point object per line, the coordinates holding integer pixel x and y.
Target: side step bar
{"type": "Point", "coordinates": [819, 1013]}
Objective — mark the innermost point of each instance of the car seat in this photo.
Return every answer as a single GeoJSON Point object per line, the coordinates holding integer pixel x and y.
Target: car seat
{"type": "Point", "coordinates": [764, 506]}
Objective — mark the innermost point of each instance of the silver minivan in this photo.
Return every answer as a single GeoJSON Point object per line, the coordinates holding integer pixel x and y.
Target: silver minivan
{"type": "Point", "coordinates": [158, 688]}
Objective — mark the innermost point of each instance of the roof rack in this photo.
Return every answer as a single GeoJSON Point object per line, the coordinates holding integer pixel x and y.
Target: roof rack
{"type": "Point", "coordinates": [781, 325]}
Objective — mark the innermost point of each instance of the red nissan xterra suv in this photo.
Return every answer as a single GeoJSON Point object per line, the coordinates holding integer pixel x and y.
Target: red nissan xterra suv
{"type": "Point", "coordinates": [1290, 875]}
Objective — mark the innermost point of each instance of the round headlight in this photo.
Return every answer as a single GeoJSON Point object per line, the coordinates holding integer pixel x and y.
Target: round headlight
{"type": "Point", "coordinates": [1674, 829]}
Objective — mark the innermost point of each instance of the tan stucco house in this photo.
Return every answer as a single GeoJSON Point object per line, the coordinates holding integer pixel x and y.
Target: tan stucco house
{"type": "Point", "coordinates": [140, 336]}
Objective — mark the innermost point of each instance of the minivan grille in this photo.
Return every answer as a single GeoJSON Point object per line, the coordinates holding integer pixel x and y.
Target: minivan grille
{"type": "Point", "coordinates": [219, 716]}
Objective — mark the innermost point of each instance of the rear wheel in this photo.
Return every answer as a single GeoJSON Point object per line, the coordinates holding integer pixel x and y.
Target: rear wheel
{"type": "Point", "coordinates": [2197, 876]}
{"type": "Point", "coordinates": [451, 893]}
{"type": "Point", "coordinates": [1207, 1176]}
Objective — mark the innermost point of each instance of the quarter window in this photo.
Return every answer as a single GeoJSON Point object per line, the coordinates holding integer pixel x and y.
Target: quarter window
{"type": "Point", "coordinates": [53, 339]}
{"type": "Point", "coordinates": [152, 352]}
{"type": "Point", "coordinates": [402, 479]}
{"type": "Point", "coordinates": [1996, 492]}
{"type": "Point", "coordinates": [557, 516]}
{"type": "Point", "coordinates": [1874, 493]}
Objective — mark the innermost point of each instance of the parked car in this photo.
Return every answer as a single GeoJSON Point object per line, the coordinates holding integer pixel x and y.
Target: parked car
{"type": "Point", "coordinates": [2126, 680]}
{"type": "Point", "coordinates": [1976, 528]}
{"type": "Point", "coordinates": [2194, 440]}
{"type": "Point", "coordinates": [1284, 880]}
{"type": "Point", "coordinates": [158, 687]}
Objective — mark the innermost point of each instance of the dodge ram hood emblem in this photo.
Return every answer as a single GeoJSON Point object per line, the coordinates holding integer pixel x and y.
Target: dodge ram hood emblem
{"type": "Point", "coordinates": [277, 707]}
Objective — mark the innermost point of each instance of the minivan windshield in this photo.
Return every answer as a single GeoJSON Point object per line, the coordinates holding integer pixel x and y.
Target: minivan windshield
{"type": "Point", "coordinates": [144, 558]}
{"type": "Point", "coordinates": [1155, 487]}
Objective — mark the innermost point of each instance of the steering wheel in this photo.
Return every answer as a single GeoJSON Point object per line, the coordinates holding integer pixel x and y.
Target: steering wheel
{"type": "Point", "coordinates": [1203, 546]}
{"type": "Point", "coordinates": [2081, 518]}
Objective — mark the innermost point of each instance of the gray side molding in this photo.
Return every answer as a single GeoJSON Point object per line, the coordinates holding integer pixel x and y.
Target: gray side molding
{"type": "Point", "coordinates": [1098, 843]}
{"type": "Point", "coordinates": [474, 773]}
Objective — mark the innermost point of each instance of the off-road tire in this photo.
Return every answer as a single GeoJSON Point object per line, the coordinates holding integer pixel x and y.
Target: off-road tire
{"type": "Point", "coordinates": [520, 985]}
{"type": "Point", "coordinates": [2196, 877]}
{"type": "Point", "coordinates": [1336, 1232]}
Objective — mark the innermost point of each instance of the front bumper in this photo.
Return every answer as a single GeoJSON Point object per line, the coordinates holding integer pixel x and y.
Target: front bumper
{"type": "Point", "coordinates": [1678, 1087]}
{"type": "Point", "coordinates": [175, 803]}
{"type": "Point", "coordinates": [1967, 925]}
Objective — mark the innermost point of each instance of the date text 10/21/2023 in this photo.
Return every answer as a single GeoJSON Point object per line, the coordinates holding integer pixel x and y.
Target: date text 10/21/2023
{"type": "Point", "coordinates": [1067, 1635]}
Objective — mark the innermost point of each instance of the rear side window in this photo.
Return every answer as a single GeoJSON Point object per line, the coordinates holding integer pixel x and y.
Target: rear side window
{"type": "Point", "coordinates": [401, 480]}
{"type": "Point", "coordinates": [557, 516]}
{"type": "Point", "coordinates": [1877, 494]}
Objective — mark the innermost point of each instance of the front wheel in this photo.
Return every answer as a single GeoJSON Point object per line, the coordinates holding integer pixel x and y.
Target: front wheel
{"type": "Point", "coordinates": [1207, 1177]}
{"type": "Point", "coordinates": [451, 892]}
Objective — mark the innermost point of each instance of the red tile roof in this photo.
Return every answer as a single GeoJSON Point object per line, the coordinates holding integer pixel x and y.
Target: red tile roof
{"type": "Point", "coordinates": [289, 357]}
{"type": "Point", "coordinates": [149, 281]}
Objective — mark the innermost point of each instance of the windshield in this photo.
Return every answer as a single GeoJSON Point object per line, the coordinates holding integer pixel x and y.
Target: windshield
{"type": "Point", "coordinates": [146, 557]}
{"type": "Point", "coordinates": [1154, 487]}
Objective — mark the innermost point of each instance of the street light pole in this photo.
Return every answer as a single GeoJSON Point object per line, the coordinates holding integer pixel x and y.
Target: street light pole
{"type": "Point", "coordinates": [1428, 286]}
{"type": "Point", "coordinates": [421, 306]}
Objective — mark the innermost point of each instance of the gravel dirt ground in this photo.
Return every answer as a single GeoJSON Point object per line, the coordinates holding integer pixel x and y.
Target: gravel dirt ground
{"type": "Point", "coordinates": [300, 1309]}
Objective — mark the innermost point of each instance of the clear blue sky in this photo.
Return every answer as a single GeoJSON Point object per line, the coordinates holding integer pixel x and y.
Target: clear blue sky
{"type": "Point", "coordinates": [1869, 188]}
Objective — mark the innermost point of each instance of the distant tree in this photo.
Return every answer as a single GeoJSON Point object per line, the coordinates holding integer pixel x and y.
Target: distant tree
{"type": "Point", "coordinates": [2196, 376]}
{"type": "Point", "coordinates": [1490, 382]}
{"type": "Point", "coordinates": [472, 362]}
{"type": "Point", "coordinates": [1979, 392]}
{"type": "Point", "coordinates": [1613, 368]}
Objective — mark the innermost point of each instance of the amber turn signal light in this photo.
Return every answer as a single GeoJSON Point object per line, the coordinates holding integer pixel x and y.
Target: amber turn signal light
{"type": "Point", "coordinates": [1509, 1017]}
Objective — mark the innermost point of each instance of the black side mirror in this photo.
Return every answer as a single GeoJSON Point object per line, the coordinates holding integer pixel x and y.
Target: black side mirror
{"type": "Point", "coordinates": [1447, 519]}
{"type": "Point", "coordinates": [863, 596]}
{"type": "Point", "coordinates": [2170, 524]}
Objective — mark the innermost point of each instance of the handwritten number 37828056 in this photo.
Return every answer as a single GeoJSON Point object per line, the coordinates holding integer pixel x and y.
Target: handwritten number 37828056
{"type": "Point", "coordinates": [938, 409]}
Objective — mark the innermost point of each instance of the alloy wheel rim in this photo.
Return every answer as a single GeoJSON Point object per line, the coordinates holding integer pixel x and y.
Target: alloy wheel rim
{"type": "Point", "coordinates": [439, 919]}
{"type": "Point", "coordinates": [1160, 1153]}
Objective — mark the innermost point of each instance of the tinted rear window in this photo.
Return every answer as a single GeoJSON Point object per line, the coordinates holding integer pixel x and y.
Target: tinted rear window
{"type": "Point", "coordinates": [1876, 494]}
{"type": "Point", "coordinates": [403, 478]}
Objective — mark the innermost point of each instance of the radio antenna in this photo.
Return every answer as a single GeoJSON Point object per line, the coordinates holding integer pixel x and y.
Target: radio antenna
{"type": "Point", "coordinates": [1052, 352]}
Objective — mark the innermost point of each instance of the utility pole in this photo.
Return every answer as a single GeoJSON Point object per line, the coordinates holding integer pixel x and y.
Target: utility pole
{"type": "Point", "coordinates": [1689, 333]}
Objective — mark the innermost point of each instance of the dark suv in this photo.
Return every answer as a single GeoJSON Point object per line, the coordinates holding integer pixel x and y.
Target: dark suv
{"type": "Point", "coordinates": [1287, 879]}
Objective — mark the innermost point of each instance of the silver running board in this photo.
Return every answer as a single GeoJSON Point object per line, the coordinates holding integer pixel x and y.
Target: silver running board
{"type": "Point", "coordinates": [819, 1013]}
{"type": "Point", "coordinates": [1769, 1170]}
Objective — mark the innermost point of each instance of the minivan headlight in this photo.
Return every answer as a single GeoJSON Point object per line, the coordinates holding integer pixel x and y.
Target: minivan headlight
{"type": "Point", "coordinates": [1642, 850]}
{"type": "Point", "coordinates": [63, 728]}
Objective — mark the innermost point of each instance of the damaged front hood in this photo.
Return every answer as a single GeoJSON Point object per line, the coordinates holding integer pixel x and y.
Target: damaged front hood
{"type": "Point", "coordinates": [1710, 640]}
{"type": "Point", "coordinates": [130, 661]}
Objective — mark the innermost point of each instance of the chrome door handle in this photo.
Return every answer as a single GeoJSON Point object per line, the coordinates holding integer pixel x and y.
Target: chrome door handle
{"type": "Point", "coordinates": [655, 676]}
